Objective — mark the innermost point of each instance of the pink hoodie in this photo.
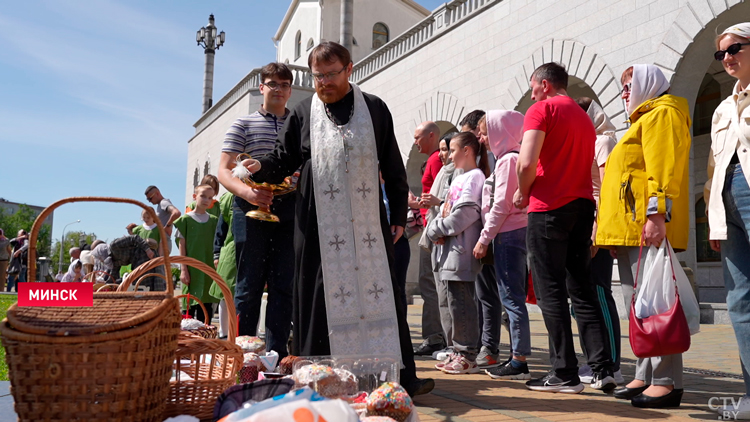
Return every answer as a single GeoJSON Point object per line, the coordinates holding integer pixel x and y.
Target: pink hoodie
{"type": "Point", "coordinates": [504, 130]}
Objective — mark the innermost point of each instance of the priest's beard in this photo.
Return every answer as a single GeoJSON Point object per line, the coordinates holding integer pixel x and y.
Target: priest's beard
{"type": "Point", "coordinates": [332, 92]}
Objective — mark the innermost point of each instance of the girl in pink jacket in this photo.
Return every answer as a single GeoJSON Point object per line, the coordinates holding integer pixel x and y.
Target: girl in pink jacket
{"type": "Point", "coordinates": [505, 226]}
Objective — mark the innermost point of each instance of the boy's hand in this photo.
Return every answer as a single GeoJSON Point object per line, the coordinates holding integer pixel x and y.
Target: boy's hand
{"type": "Point", "coordinates": [216, 263]}
{"type": "Point", "coordinates": [185, 277]}
{"type": "Point", "coordinates": [258, 197]}
{"type": "Point", "coordinates": [131, 226]}
{"type": "Point", "coordinates": [252, 165]}
{"type": "Point", "coordinates": [429, 200]}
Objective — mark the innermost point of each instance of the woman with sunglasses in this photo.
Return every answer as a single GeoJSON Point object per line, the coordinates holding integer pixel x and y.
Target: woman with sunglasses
{"type": "Point", "coordinates": [728, 194]}
{"type": "Point", "coordinates": [644, 197]}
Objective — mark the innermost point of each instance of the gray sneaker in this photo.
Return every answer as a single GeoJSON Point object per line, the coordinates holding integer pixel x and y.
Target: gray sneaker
{"type": "Point", "coordinates": [487, 359]}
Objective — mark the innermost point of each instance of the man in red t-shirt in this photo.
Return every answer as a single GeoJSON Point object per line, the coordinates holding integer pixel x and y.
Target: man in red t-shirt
{"type": "Point", "coordinates": [554, 181]}
{"type": "Point", "coordinates": [427, 140]}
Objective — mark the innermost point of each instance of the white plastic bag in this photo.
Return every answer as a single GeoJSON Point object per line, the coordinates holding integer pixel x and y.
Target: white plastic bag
{"type": "Point", "coordinates": [656, 293]}
{"type": "Point", "coordinates": [689, 303]}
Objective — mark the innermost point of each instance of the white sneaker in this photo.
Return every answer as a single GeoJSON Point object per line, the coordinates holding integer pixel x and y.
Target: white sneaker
{"type": "Point", "coordinates": [442, 355]}
{"type": "Point", "coordinates": [585, 374]}
{"type": "Point", "coordinates": [735, 411]}
{"type": "Point", "coordinates": [618, 378]}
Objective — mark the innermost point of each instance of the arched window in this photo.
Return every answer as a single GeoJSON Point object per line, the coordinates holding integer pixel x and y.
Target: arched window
{"type": "Point", "coordinates": [379, 35]}
{"type": "Point", "coordinates": [298, 45]}
{"type": "Point", "coordinates": [709, 97]}
{"type": "Point", "coordinates": [206, 169]}
{"type": "Point", "coordinates": [310, 44]}
{"type": "Point", "coordinates": [196, 177]}
{"type": "Point", "coordinates": [703, 251]}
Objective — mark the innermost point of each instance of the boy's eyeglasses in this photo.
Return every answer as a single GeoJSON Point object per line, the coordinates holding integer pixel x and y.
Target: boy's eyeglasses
{"type": "Point", "coordinates": [731, 50]}
{"type": "Point", "coordinates": [278, 87]}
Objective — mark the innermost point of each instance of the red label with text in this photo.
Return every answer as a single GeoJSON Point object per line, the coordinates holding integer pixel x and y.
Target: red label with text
{"type": "Point", "coordinates": [55, 294]}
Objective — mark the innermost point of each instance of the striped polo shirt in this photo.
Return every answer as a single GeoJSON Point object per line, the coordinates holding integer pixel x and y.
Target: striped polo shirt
{"type": "Point", "coordinates": [254, 134]}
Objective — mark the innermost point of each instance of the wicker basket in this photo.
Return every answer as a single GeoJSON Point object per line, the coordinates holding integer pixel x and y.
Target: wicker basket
{"type": "Point", "coordinates": [207, 331]}
{"type": "Point", "coordinates": [203, 368]}
{"type": "Point", "coordinates": [111, 361]}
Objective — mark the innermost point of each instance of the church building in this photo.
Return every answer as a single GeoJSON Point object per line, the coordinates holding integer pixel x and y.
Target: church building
{"type": "Point", "coordinates": [479, 54]}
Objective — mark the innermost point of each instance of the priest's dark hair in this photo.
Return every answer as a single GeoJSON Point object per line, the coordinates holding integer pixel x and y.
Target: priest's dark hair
{"type": "Point", "coordinates": [468, 139]}
{"type": "Point", "coordinates": [280, 70]}
{"type": "Point", "coordinates": [329, 52]}
{"type": "Point", "coordinates": [554, 73]}
{"type": "Point", "coordinates": [472, 119]}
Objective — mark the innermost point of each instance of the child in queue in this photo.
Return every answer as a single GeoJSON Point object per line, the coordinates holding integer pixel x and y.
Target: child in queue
{"type": "Point", "coordinates": [454, 232]}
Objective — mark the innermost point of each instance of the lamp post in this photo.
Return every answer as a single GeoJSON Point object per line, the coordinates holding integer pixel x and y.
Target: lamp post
{"type": "Point", "coordinates": [62, 241]}
{"type": "Point", "coordinates": [210, 41]}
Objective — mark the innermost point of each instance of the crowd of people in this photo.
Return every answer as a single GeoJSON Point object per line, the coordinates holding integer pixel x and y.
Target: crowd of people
{"type": "Point", "coordinates": [545, 199]}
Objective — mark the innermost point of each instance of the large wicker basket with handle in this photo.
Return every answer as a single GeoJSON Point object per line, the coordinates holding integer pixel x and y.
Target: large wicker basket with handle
{"type": "Point", "coordinates": [203, 368]}
{"type": "Point", "coordinates": [111, 361]}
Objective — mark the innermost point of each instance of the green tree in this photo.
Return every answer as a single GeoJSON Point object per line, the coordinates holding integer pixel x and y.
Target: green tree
{"type": "Point", "coordinates": [72, 239]}
{"type": "Point", "coordinates": [23, 219]}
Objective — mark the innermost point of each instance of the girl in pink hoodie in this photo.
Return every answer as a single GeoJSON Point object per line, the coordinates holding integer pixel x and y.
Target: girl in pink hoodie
{"type": "Point", "coordinates": [505, 225]}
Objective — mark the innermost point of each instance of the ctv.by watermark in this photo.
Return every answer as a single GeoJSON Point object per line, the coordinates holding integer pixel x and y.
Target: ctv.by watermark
{"type": "Point", "coordinates": [726, 406]}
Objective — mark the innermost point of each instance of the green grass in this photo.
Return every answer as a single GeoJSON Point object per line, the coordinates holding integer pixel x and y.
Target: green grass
{"type": "Point", "coordinates": [5, 302]}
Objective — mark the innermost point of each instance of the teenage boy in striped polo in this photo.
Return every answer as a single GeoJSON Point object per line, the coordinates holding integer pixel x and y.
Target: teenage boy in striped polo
{"type": "Point", "coordinates": [264, 249]}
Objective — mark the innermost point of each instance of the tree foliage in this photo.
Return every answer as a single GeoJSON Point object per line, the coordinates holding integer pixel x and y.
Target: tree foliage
{"type": "Point", "coordinates": [24, 218]}
{"type": "Point", "coordinates": [72, 239]}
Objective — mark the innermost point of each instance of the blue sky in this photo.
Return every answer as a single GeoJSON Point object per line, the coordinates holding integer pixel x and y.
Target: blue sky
{"type": "Point", "coordinates": [99, 97]}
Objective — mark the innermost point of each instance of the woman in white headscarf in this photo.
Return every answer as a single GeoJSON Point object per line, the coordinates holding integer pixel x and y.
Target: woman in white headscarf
{"type": "Point", "coordinates": [75, 272]}
{"type": "Point", "coordinates": [728, 194]}
{"type": "Point", "coordinates": [646, 190]}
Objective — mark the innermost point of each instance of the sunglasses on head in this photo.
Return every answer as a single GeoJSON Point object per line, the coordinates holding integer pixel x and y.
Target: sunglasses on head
{"type": "Point", "coordinates": [731, 50]}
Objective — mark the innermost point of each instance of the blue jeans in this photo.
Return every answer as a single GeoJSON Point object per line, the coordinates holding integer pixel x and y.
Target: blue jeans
{"type": "Point", "coordinates": [511, 274]}
{"type": "Point", "coordinates": [13, 279]}
{"type": "Point", "coordinates": [734, 253]}
{"type": "Point", "coordinates": [265, 256]}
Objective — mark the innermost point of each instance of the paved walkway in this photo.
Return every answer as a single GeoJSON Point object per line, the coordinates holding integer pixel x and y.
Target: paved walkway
{"type": "Point", "coordinates": [712, 370]}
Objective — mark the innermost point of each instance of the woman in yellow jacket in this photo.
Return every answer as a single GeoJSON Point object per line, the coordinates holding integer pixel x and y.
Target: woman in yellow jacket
{"type": "Point", "coordinates": [645, 190]}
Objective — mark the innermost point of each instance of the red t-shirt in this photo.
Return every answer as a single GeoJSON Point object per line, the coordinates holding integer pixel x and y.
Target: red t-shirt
{"type": "Point", "coordinates": [563, 173]}
{"type": "Point", "coordinates": [431, 169]}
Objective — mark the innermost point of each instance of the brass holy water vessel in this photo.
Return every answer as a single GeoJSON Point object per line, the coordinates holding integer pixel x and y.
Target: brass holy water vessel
{"type": "Point", "coordinates": [263, 212]}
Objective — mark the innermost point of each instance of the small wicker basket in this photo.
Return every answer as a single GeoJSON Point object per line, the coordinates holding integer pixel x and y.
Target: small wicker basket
{"type": "Point", "coordinates": [203, 368]}
{"type": "Point", "coordinates": [207, 331]}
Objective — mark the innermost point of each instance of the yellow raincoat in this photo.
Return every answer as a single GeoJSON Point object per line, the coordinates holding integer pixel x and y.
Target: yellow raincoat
{"type": "Point", "coordinates": [651, 160]}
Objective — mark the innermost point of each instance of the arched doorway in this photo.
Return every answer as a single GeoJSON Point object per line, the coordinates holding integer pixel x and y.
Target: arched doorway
{"type": "Point", "coordinates": [589, 76]}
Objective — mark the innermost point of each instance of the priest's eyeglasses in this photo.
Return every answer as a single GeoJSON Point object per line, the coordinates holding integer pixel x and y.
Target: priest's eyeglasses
{"type": "Point", "coordinates": [330, 75]}
{"type": "Point", "coordinates": [278, 87]}
{"type": "Point", "coordinates": [731, 50]}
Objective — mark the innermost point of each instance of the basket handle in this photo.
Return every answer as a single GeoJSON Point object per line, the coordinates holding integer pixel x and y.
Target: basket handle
{"type": "Point", "coordinates": [31, 274]}
{"type": "Point", "coordinates": [192, 262]}
{"type": "Point", "coordinates": [107, 287]}
{"type": "Point", "coordinates": [143, 277]}
{"type": "Point", "coordinates": [91, 276]}
{"type": "Point", "coordinates": [192, 297]}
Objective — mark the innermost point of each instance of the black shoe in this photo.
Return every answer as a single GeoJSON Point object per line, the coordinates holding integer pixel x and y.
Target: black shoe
{"type": "Point", "coordinates": [626, 393]}
{"type": "Point", "coordinates": [604, 380]}
{"type": "Point", "coordinates": [420, 386]}
{"type": "Point", "coordinates": [509, 372]}
{"type": "Point", "coordinates": [552, 384]}
{"type": "Point", "coordinates": [426, 349]}
{"type": "Point", "coordinates": [672, 399]}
